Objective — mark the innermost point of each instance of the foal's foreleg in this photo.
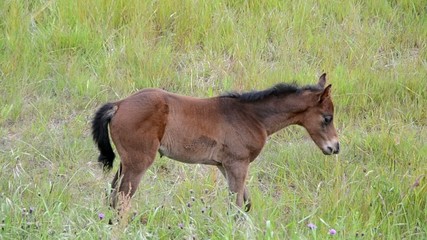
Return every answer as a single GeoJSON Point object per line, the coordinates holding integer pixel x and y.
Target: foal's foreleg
{"type": "Point", "coordinates": [236, 177]}
{"type": "Point", "coordinates": [247, 199]}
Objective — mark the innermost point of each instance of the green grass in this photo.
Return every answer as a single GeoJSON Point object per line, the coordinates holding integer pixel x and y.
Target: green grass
{"type": "Point", "coordinates": [60, 60]}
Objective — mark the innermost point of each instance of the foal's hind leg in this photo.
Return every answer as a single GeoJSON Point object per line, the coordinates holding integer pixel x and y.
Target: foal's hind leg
{"type": "Point", "coordinates": [134, 163]}
{"type": "Point", "coordinates": [113, 193]}
{"type": "Point", "coordinates": [236, 177]}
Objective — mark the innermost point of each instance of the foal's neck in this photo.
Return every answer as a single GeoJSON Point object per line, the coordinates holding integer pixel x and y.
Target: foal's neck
{"type": "Point", "coordinates": [276, 113]}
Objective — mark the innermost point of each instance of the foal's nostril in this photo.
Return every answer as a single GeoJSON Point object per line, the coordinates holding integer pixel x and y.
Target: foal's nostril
{"type": "Point", "coordinates": [330, 149]}
{"type": "Point", "coordinates": [337, 148]}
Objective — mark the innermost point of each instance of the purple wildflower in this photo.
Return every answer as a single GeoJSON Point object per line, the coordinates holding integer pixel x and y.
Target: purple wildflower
{"type": "Point", "coordinates": [101, 216]}
{"type": "Point", "coordinates": [31, 210]}
{"type": "Point", "coordinates": [332, 231]}
{"type": "Point", "coordinates": [181, 225]}
{"type": "Point", "coordinates": [312, 226]}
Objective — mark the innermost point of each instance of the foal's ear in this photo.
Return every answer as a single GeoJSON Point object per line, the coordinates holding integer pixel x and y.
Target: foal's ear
{"type": "Point", "coordinates": [326, 93]}
{"type": "Point", "coordinates": [322, 80]}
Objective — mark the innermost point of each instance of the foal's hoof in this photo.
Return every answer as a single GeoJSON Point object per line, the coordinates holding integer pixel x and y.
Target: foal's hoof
{"type": "Point", "coordinates": [240, 217]}
{"type": "Point", "coordinates": [248, 206]}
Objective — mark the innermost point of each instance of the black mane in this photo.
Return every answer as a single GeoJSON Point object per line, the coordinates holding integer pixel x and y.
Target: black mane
{"type": "Point", "coordinates": [281, 89]}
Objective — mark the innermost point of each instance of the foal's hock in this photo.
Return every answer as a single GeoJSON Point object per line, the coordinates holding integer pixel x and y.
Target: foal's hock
{"type": "Point", "coordinates": [227, 131]}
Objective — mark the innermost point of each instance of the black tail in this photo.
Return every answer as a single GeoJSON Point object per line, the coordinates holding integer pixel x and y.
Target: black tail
{"type": "Point", "coordinates": [100, 135]}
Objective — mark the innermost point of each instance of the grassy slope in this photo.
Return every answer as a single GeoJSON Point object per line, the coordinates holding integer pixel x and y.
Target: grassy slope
{"type": "Point", "coordinates": [59, 60]}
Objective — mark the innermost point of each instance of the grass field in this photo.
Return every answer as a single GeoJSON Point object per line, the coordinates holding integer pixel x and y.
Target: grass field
{"type": "Point", "coordinates": [60, 60]}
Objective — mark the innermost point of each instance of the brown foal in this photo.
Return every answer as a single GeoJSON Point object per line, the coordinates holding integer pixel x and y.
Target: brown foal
{"type": "Point", "coordinates": [227, 131]}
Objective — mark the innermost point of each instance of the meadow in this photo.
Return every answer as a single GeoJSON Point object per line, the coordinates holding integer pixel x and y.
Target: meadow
{"type": "Point", "coordinates": [60, 60]}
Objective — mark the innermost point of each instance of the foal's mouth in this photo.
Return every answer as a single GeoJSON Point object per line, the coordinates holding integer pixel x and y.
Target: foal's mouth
{"type": "Point", "coordinates": [330, 149]}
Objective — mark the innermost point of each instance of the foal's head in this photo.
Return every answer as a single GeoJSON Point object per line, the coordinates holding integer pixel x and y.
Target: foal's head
{"type": "Point", "coordinates": [318, 119]}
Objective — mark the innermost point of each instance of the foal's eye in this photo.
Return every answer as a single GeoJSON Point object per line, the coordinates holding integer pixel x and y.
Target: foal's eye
{"type": "Point", "coordinates": [327, 119]}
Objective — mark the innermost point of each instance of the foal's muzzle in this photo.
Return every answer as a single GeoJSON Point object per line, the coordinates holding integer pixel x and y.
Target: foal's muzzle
{"type": "Point", "coordinates": [331, 148]}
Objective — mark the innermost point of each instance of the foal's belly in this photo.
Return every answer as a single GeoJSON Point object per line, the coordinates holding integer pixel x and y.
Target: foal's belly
{"type": "Point", "coordinates": [201, 149]}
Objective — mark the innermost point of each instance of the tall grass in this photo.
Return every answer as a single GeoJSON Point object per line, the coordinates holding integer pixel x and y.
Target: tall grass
{"type": "Point", "coordinates": [59, 60]}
